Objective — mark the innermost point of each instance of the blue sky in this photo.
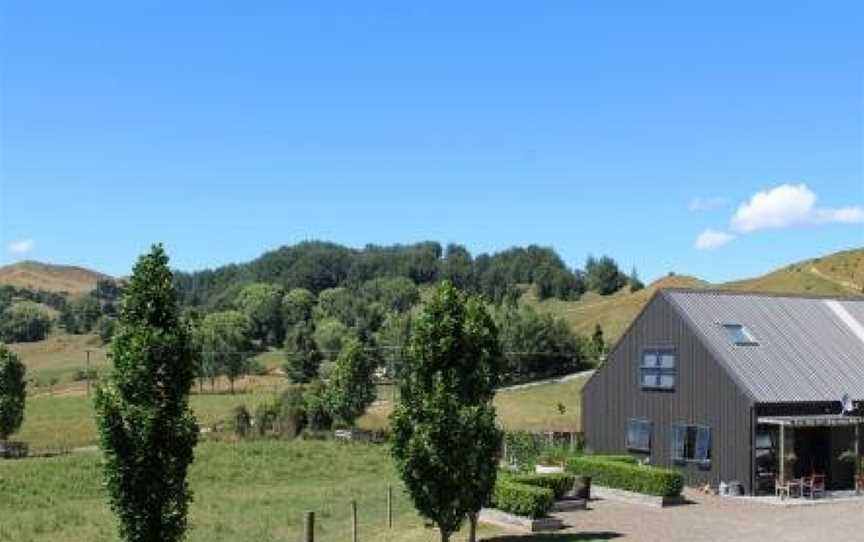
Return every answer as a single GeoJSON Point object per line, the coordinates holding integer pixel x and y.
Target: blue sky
{"type": "Point", "coordinates": [643, 130]}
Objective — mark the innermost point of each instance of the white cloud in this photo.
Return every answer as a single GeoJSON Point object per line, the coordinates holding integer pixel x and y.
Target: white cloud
{"type": "Point", "coordinates": [706, 204]}
{"type": "Point", "coordinates": [711, 239]}
{"type": "Point", "coordinates": [789, 205]}
{"type": "Point", "coordinates": [19, 248]}
{"type": "Point", "coordinates": [846, 215]}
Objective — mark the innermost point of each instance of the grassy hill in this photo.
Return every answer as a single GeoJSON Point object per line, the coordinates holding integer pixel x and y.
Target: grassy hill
{"type": "Point", "coordinates": [50, 277]}
{"type": "Point", "coordinates": [839, 274]}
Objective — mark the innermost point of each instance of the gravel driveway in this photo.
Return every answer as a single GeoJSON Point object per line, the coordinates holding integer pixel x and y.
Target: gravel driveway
{"type": "Point", "coordinates": [711, 518]}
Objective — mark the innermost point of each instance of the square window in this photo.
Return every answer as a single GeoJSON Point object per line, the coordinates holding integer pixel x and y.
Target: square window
{"type": "Point", "coordinates": [658, 369]}
{"type": "Point", "coordinates": [639, 435]}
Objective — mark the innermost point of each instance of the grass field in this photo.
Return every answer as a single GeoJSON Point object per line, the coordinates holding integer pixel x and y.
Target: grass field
{"type": "Point", "coordinates": [244, 492]}
{"type": "Point", "coordinates": [533, 408]}
{"type": "Point", "coordinates": [65, 421]}
{"type": "Point", "coordinates": [60, 356]}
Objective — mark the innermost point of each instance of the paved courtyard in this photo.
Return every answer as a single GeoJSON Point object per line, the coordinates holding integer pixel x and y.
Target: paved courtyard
{"type": "Point", "coordinates": [710, 518]}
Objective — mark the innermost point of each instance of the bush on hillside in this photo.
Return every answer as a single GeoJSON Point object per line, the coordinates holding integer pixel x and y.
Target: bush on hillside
{"type": "Point", "coordinates": [630, 477]}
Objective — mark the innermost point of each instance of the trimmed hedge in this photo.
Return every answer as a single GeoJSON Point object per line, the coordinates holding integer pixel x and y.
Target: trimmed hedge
{"type": "Point", "coordinates": [619, 458]}
{"type": "Point", "coordinates": [522, 499]}
{"type": "Point", "coordinates": [560, 484]}
{"type": "Point", "coordinates": [619, 475]}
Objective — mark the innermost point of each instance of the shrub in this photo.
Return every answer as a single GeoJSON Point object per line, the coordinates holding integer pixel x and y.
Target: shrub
{"type": "Point", "coordinates": [265, 418]}
{"type": "Point", "coordinates": [560, 484]}
{"type": "Point", "coordinates": [241, 421]}
{"type": "Point", "coordinates": [630, 477]}
{"type": "Point", "coordinates": [623, 458]}
{"type": "Point", "coordinates": [522, 499]}
{"type": "Point", "coordinates": [554, 455]}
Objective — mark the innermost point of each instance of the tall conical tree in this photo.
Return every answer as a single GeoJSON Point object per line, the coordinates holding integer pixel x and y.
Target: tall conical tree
{"type": "Point", "coordinates": [445, 442]}
{"type": "Point", "coordinates": [147, 432]}
{"type": "Point", "coordinates": [13, 392]}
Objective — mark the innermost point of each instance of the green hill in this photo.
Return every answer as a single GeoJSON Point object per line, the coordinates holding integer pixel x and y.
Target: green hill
{"type": "Point", "coordinates": [839, 274]}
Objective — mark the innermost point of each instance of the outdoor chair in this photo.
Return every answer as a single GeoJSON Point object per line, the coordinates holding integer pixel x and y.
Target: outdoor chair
{"type": "Point", "coordinates": [781, 490]}
{"type": "Point", "coordinates": [814, 486]}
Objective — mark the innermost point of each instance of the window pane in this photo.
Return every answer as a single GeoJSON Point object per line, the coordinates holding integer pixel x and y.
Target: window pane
{"type": "Point", "coordinates": [649, 359]}
{"type": "Point", "coordinates": [639, 435]}
{"type": "Point", "coordinates": [667, 381]}
{"type": "Point", "coordinates": [667, 361]}
{"type": "Point", "coordinates": [649, 379]}
{"type": "Point", "coordinates": [678, 432]}
{"type": "Point", "coordinates": [703, 444]}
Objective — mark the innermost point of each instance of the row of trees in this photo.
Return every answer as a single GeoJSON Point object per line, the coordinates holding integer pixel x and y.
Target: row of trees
{"type": "Point", "coordinates": [453, 363]}
{"type": "Point", "coordinates": [452, 359]}
{"type": "Point", "coordinates": [317, 266]}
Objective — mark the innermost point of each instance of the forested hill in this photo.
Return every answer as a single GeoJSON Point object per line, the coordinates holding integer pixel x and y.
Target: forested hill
{"type": "Point", "coordinates": [317, 266]}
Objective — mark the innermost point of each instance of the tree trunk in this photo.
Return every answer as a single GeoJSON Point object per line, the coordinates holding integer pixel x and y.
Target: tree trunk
{"type": "Point", "coordinates": [445, 536]}
{"type": "Point", "coordinates": [472, 527]}
{"type": "Point", "coordinates": [231, 383]}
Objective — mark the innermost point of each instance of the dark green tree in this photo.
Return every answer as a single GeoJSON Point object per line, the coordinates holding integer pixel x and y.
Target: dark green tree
{"type": "Point", "coordinates": [13, 392]}
{"type": "Point", "coordinates": [598, 345]}
{"type": "Point", "coordinates": [24, 321]}
{"type": "Point", "coordinates": [445, 443]}
{"type": "Point", "coordinates": [603, 275]}
{"type": "Point", "coordinates": [540, 345]}
{"type": "Point", "coordinates": [262, 304]}
{"type": "Point", "coordinates": [302, 356]}
{"type": "Point", "coordinates": [147, 431]}
{"type": "Point", "coordinates": [224, 340]}
{"type": "Point", "coordinates": [351, 390]}
{"type": "Point", "coordinates": [633, 280]}
{"type": "Point", "coordinates": [297, 306]}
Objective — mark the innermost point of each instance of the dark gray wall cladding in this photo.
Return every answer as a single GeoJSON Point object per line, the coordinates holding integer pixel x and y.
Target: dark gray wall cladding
{"type": "Point", "coordinates": [704, 394]}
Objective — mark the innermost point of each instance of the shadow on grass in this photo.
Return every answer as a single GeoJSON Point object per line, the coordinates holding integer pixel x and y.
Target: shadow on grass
{"type": "Point", "coordinates": [558, 537]}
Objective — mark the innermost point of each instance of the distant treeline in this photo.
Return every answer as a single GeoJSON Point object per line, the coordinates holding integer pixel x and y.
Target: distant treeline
{"type": "Point", "coordinates": [317, 266]}
{"type": "Point", "coordinates": [24, 318]}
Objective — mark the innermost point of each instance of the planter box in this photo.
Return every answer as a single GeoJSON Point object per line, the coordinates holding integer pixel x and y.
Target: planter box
{"type": "Point", "coordinates": [505, 519]}
{"type": "Point", "coordinates": [13, 450]}
{"type": "Point", "coordinates": [621, 495]}
{"type": "Point", "coordinates": [569, 504]}
{"type": "Point", "coordinates": [548, 469]}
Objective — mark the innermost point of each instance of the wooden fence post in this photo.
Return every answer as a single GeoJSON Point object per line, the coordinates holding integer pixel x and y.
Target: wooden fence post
{"type": "Point", "coordinates": [389, 506]}
{"type": "Point", "coordinates": [309, 528]}
{"type": "Point", "coordinates": [353, 521]}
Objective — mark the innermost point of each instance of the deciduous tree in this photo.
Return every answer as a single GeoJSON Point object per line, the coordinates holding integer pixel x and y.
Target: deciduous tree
{"type": "Point", "coordinates": [147, 432]}
{"type": "Point", "coordinates": [351, 390]}
{"type": "Point", "coordinates": [445, 443]}
{"type": "Point", "coordinates": [13, 392]}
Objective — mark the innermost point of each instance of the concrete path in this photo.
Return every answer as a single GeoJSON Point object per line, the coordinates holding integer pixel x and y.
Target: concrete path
{"type": "Point", "coordinates": [709, 519]}
{"type": "Point", "coordinates": [556, 380]}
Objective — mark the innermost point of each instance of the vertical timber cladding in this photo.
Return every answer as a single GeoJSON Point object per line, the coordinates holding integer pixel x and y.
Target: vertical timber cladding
{"type": "Point", "coordinates": [704, 394]}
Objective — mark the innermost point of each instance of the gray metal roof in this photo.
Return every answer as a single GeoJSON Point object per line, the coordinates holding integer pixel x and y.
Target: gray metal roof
{"type": "Point", "coordinates": [805, 351]}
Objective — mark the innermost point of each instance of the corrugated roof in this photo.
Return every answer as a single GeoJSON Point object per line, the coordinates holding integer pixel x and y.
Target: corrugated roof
{"type": "Point", "coordinates": [805, 351]}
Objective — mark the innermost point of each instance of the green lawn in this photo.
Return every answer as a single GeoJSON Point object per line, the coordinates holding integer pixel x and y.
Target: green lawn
{"type": "Point", "coordinates": [245, 492]}
{"type": "Point", "coordinates": [531, 409]}
{"type": "Point", "coordinates": [54, 423]}
{"type": "Point", "coordinates": [253, 491]}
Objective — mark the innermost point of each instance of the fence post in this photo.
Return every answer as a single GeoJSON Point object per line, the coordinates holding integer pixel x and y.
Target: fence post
{"type": "Point", "coordinates": [389, 506]}
{"type": "Point", "coordinates": [353, 521]}
{"type": "Point", "coordinates": [309, 528]}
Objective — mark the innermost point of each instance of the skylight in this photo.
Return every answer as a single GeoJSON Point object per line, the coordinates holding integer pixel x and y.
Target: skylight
{"type": "Point", "coordinates": [739, 335]}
